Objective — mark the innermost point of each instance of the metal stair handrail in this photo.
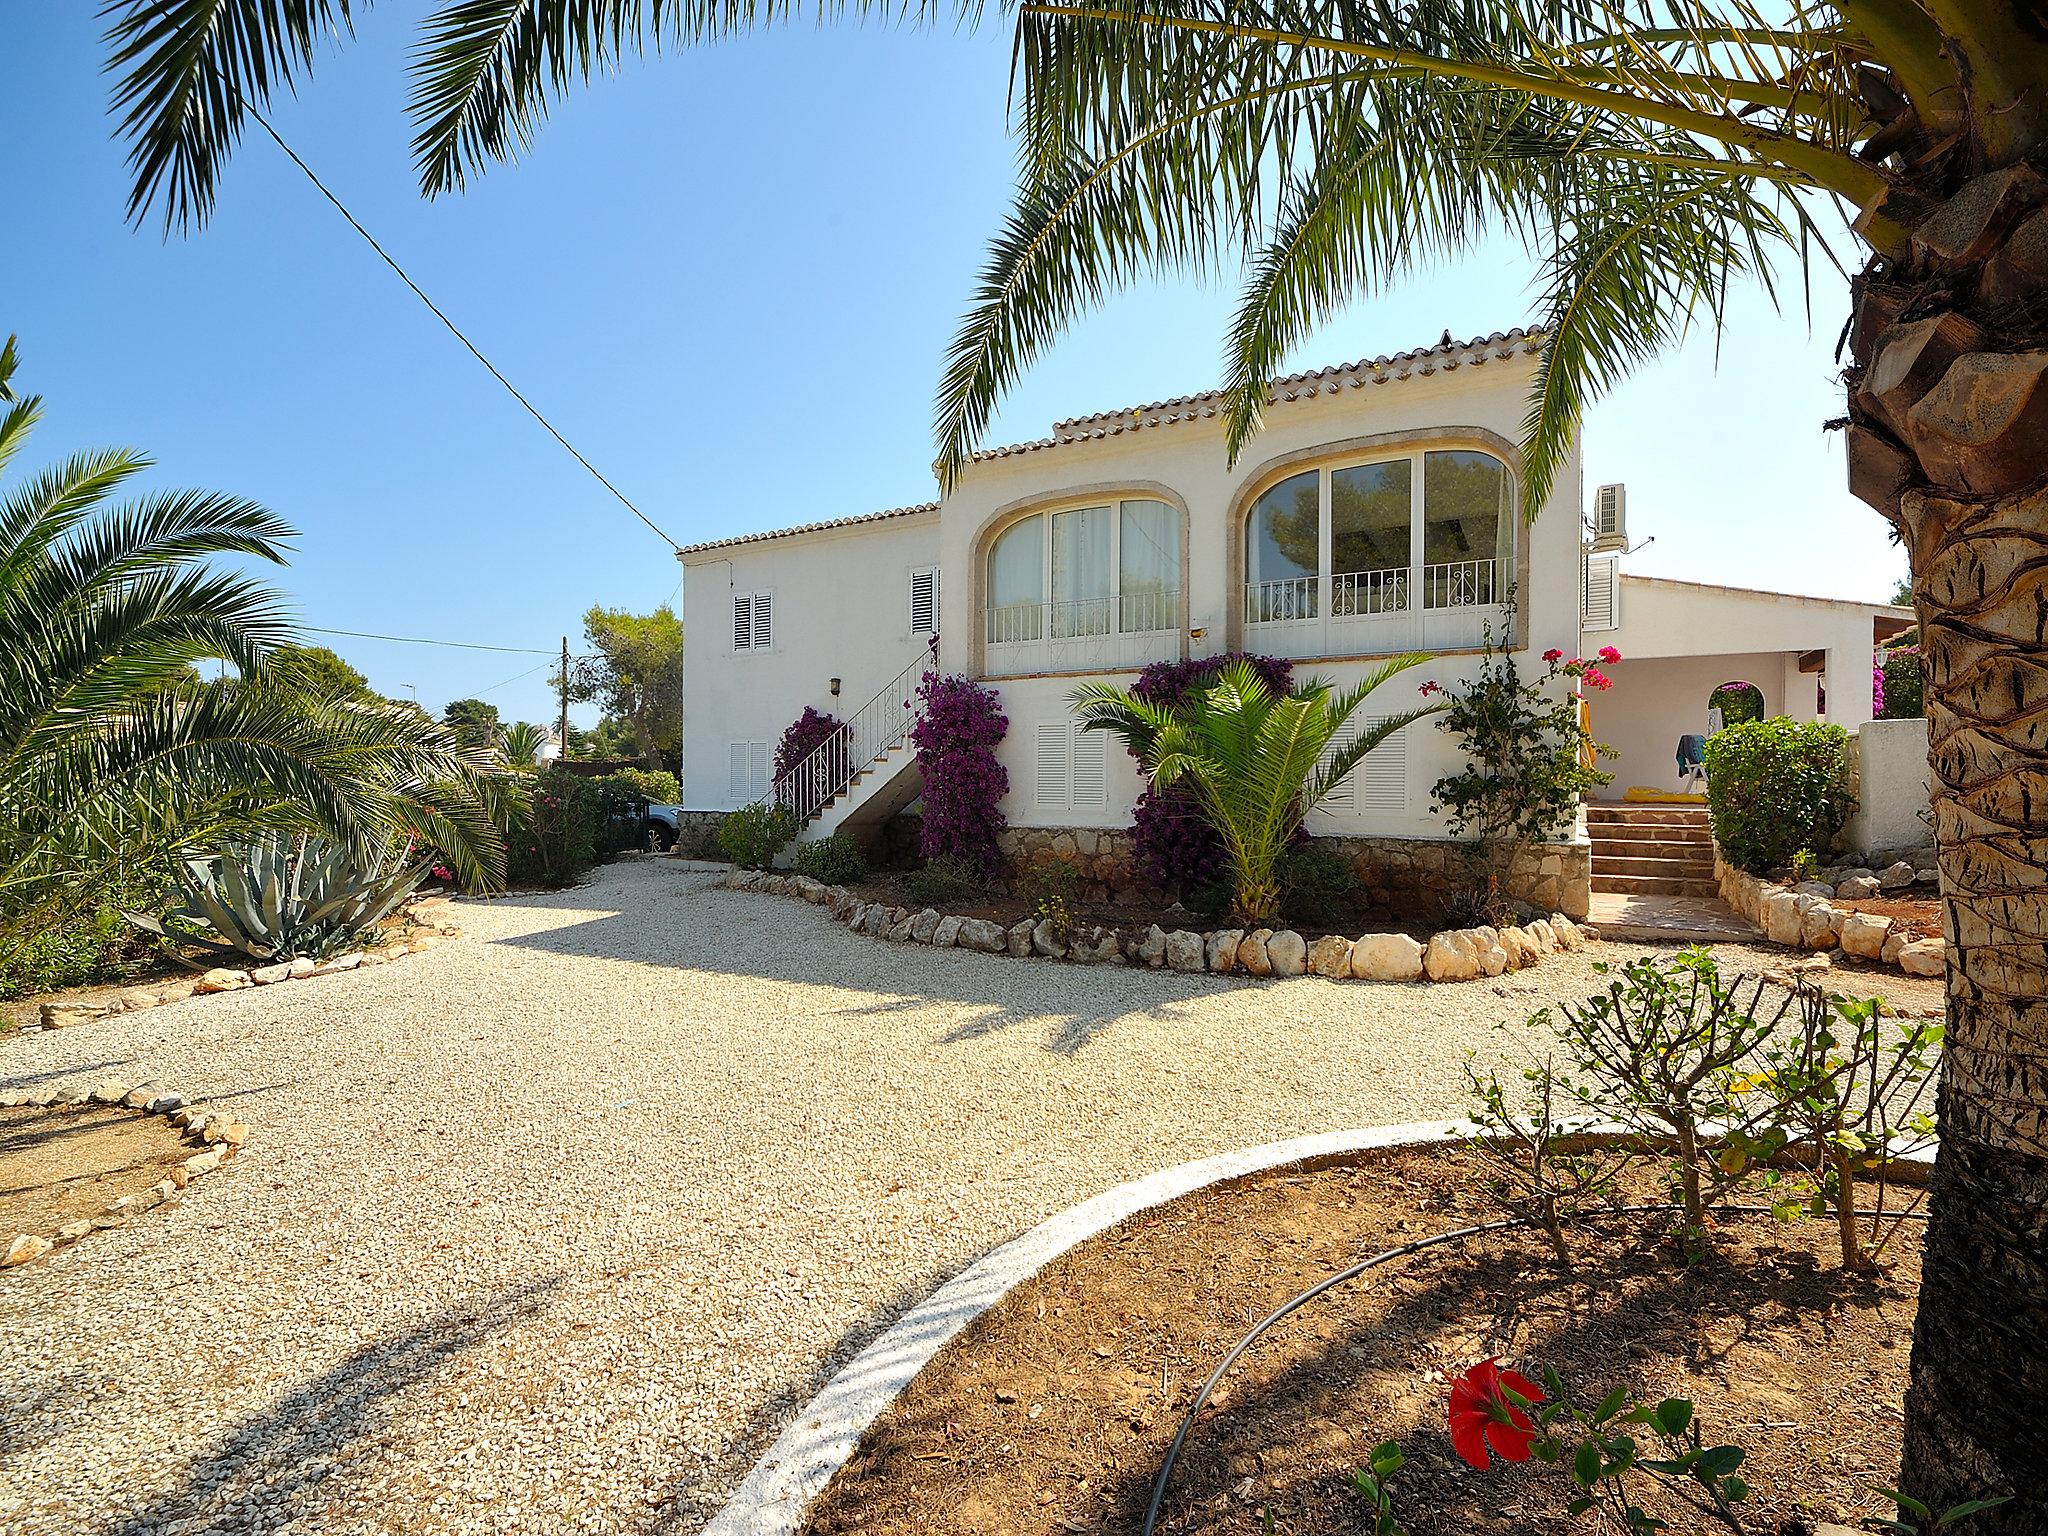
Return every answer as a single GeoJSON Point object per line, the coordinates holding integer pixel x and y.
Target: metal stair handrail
{"type": "Point", "coordinates": [876, 727]}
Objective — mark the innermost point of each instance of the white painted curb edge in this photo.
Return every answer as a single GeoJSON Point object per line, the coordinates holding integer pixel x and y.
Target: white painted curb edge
{"type": "Point", "coordinates": [778, 1492]}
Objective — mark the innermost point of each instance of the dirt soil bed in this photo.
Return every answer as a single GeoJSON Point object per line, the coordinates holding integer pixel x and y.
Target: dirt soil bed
{"type": "Point", "coordinates": [68, 1163]}
{"type": "Point", "coordinates": [1052, 1413]}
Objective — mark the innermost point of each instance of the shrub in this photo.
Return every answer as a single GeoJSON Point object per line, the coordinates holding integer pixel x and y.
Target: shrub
{"type": "Point", "coordinates": [1777, 787]}
{"type": "Point", "coordinates": [836, 860]}
{"type": "Point", "coordinates": [657, 786]}
{"type": "Point", "coordinates": [959, 726]}
{"type": "Point", "coordinates": [803, 736]}
{"type": "Point", "coordinates": [1169, 683]}
{"type": "Point", "coordinates": [1053, 889]}
{"type": "Point", "coordinates": [1172, 843]}
{"type": "Point", "coordinates": [92, 946]}
{"type": "Point", "coordinates": [1316, 885]}
{"type": "Point", "coordinates": [552, 839]}
{"type": "Point", "coordinates": [1899, 684]}
{"type": "Point", "coordinates": [754, 834]}
{"type": "Point", "coordinates": [945, 879]}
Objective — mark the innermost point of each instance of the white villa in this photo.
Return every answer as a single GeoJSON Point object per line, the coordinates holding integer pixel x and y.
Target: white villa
{"type": "Point", "coordinates": [1373, 513]}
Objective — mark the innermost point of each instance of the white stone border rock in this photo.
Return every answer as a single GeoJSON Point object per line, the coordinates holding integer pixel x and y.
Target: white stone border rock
{"type": "Point", "coordinates": [777, 1494]}
{"type": "Point", "coordinates": [1802, 918]}
{"type": "Point", "coordinates": [1458, 954]}
{"type": "Point", "coordinates": [217, 1134]}
{"type": "Point", "coordinates": [154, 994]}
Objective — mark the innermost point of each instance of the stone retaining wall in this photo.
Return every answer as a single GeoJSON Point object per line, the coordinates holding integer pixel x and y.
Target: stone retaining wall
{"type": "Point", "coordinates": [1802, 917]}
{"type": "Point", "coordinates": [1462, 954]}
{"type": "Point", "coordinates": [1396, 874]}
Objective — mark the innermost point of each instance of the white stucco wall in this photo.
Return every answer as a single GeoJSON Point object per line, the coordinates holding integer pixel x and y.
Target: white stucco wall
{"type": "Point", "coordinates": [1892, 783]}
{"type": "Point", "coordinates": [1655, 700]}
{"type": "Point", "coordinates": [841, 609]}
{"type": "Point", "coordinates": [1679, 639]}
{"type": "Point", "coordinates": [1186, 463]}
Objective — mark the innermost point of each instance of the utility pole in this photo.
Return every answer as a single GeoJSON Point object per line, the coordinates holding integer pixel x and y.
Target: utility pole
{"type": "Point", "coordinates": [565, 699]}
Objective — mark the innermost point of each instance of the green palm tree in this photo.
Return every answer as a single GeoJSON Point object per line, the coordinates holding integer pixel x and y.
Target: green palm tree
{"type": "Point", "coordinates": [1650, 154]}
{"type": "Point", "coordinates": [115, 754]}
{"type": "Point", "coordinates": [523, 741]}
{"type": "Point", "coordinates": [1256, 762]}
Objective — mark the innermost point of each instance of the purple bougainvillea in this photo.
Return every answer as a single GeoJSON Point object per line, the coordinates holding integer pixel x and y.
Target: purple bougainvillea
{"type": "Point", "coordinates": [805, 734]}
{"type": "Point", "coordinates": [1171, 841]}
{"type": "Point", "coordinates": [1170, 682]}
{"type": "Point", "coordinates": [959, 725]}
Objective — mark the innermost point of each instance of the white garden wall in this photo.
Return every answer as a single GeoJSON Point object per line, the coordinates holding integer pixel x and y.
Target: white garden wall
{"type": "Point", "coordinates": [1889, 765]}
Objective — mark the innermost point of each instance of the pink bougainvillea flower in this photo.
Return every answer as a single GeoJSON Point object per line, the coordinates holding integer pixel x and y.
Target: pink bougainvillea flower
{"type": "Point", "coordinates": [1553, 655]}
{"type": "Point", "coordinates": [1595, 678]}
{"type": "Point", "coordinates": [1432, 686]}
{"type": "Point", "coordinates": [1609, 654]}
{"type": "Point", "coordinates": [1482, 1415]}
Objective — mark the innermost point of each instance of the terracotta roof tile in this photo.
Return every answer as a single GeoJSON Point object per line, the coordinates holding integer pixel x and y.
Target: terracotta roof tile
{"type": "Point", "coordinates": [790, 533]}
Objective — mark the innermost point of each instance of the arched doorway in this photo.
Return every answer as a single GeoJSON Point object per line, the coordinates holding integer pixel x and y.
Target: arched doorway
{"type": "Point", "coordinates": [1734, 703]}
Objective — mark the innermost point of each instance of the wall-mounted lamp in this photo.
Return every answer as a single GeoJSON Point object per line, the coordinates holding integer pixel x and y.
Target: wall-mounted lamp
{"type": "Point", "coordinates": [835, 687]}
{"type": "Point", "coordinates": [1196, 634]}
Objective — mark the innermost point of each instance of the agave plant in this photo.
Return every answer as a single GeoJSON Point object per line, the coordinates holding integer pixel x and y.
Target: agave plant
{"type": "Point", "coordinates": [279, 898]}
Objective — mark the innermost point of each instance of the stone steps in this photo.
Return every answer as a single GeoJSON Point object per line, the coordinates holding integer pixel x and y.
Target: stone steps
{"type": "Point", "coordinates": [1692, 864]}
{"type": "Point", "coordinates": [1653, 885]}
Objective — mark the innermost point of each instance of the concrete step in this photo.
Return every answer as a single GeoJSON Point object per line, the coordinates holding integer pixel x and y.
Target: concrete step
{"type": "Point", "coordinates": [1646, 815]}
{"type": "Point", "coordinates": [1655, 885]}
{"type": "Point", "coordinates": [1623, 836]}
{"type": "Point", "coordinates": [1679, 865]}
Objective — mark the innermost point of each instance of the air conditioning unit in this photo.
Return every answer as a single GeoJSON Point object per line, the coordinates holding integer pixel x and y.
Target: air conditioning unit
{"type": "Point", "coordinates": [1610, 518]}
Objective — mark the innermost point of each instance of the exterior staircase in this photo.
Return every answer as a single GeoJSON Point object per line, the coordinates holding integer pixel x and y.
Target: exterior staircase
{"type": "Point", "coordinates": [866, 771]}
{"type": "Point", "coordinates": [1652, 850]}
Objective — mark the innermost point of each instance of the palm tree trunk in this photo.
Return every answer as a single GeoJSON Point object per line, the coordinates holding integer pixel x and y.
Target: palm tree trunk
{"type": "Point", "coordinates": [1949, 437]}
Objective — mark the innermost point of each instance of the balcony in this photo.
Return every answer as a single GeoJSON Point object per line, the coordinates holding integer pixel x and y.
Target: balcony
{"type": "Point", "coordinates": [1091, 634]}
{"type": "Point", "coordinates": [1363, 613]}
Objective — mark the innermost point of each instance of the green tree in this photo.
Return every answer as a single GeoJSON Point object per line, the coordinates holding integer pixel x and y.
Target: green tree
{"type": "Point", "coordinates": [1256, 762]}
{"type": "Point", "coordinates": [636, 677]}
{"type": "Point", "coordinates": [1650, 154]}
{"type": "Point", "coordinates": [320, 671]}
{"type": "Point", "coordinates": [1902, 594]}
{"type": "Point", "coordinates": [114, 757]}
{"type": "Point", "coordinates": [474, 723]}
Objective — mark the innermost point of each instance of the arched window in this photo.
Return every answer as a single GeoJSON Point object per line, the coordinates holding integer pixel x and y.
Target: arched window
{"type": "Point", "coordinates": [1076, 573]}
{"type": "Point", "coordinates": [1432, 529]}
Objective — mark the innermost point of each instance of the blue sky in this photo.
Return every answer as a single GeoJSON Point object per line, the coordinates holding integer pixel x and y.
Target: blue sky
{"type": "Point", "coordinates": [729, 276]}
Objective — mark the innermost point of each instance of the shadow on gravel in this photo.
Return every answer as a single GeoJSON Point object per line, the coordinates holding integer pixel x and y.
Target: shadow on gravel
{"type": "Point", "coordinates": [777, 938]}
{"type": "Point", "coordinates": [318, 1429]}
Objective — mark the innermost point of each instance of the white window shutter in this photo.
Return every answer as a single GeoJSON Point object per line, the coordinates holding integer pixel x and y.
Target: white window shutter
{"type": "Point", "coordinates": [1344, 793]}
{"type": "Point", "coordinates": [924, 601]}
{"type": "Point", "coordinates": [757, 770]}
{"type": "Point", "coordinates": [1051, 741]}
{"type": "Point", "coordinates": [1091, 768]}
{"type": "Point", "coordinates": [1603, 593]}
{"type": "Point", "coordinates": [743, 621]}
{"type": "Point", "coordinates": [764, 620]}
{"type": "Point", "coordinates": [736, 773]}
{"type": "Point", "coordinates": [1383, 776]}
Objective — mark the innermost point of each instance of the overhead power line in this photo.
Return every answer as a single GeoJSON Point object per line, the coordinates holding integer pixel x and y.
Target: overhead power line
{"type": "Point", "coordinates": [459, 645]}
{"type": "Point", "coordinates": [453, 329]}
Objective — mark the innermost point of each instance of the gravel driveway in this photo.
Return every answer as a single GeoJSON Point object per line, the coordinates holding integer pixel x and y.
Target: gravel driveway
{"type": "Point", "coordinates": [551, 1227]}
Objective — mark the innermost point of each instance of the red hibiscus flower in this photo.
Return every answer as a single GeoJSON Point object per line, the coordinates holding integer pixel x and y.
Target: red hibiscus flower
{"type": "Point", "coordinates": [1431, 687]}
{"type": "Point", "coordinates": [1609, 654]}
{"type": "Point", "coordinates": [1553, 655]}
{"type": "Point", "coordinates": [1482, 1415]}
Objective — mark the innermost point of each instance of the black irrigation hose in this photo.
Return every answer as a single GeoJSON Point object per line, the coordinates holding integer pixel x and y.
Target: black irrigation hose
{"type": "Point", "coordinates": [1436, 1240]}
